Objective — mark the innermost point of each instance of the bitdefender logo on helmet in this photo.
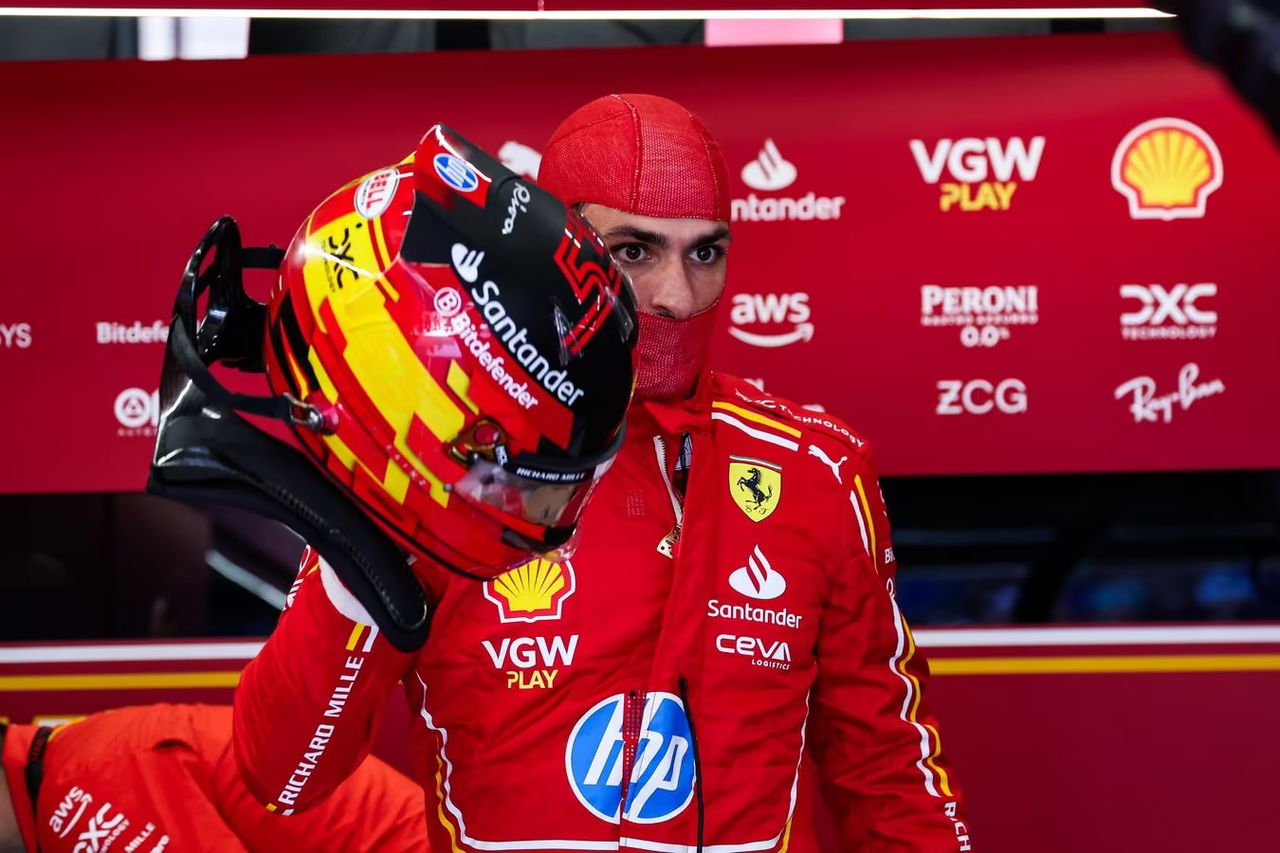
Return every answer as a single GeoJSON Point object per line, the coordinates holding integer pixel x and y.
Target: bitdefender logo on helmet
{"type": "Point", "coordinates": [771, 172]}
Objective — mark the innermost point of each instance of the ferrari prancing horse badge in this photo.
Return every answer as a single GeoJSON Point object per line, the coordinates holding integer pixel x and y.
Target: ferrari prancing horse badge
{"type": "Point", "coordinates": [756, 486]}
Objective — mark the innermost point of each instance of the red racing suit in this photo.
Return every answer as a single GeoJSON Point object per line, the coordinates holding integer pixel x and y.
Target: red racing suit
{"type": "Point", "coordinates": [156, 778]}
{"type": "Point", "coordinates": [626, 697]}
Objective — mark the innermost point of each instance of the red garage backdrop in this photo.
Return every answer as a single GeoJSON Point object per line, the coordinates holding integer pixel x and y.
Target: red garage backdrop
{"type": "Point", "coordinates": [991, 256]}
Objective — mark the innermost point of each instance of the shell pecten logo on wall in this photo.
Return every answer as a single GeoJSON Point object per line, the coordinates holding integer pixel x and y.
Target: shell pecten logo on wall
{"type": "Point", "coordinates": [1166, 168]}
{"type": "Point", "coordinates": [533, 592]}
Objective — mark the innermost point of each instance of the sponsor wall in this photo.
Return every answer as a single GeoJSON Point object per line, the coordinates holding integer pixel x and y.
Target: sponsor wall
{"type": "Point", "coordinates": [989, 256]}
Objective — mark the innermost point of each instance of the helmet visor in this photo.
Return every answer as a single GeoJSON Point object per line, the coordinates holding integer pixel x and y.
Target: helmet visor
{"type": "Point", "coordinates": [538, 499]}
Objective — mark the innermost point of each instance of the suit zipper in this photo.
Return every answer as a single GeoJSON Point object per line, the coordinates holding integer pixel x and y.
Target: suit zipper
{"type": "Point", "coordinates": [632, 720]}
{"type": "Point", "coordinates": [667, 545]}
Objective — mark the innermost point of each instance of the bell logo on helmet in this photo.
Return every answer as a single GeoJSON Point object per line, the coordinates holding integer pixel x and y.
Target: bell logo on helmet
{"type": "Point", "coordinates": [375, 193]}
{"type": "Point", "coordinates": [466, 262]}
{"type": "Point", "coordinates": [455, 172]}
{"type": "Point", "coordinates": [661, 768]}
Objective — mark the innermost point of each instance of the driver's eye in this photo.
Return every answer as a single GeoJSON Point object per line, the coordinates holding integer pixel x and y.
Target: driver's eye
{"type": "Point", "coordinates": [631, 252]}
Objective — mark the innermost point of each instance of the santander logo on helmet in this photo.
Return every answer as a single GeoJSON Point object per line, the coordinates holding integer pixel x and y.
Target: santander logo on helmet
{"type": "Point", "coordinates": [515, 340]}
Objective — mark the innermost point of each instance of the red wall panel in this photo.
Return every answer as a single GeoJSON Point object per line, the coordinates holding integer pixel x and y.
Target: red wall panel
{"type": "Point", "coordinates": [997, 339]}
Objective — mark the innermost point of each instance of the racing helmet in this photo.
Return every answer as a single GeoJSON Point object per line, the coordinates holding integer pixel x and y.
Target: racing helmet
{"type": "Point", "coordinates": [461, 348]}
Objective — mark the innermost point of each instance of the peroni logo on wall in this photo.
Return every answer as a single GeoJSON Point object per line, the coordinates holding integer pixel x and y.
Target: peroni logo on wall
{"type": "Point", "coordinates": [984, 314]}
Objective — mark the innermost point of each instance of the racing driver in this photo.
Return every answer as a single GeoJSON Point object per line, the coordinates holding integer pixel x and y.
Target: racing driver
{"type": "Point", "coordinates": [727, 619]}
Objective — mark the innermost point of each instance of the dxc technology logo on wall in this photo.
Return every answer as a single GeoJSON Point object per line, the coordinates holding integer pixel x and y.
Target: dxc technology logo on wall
{"type": "Point", "coordinates": [662, 778]}
{"type": "Point", "coordinates": [771, 172]}
{"type": "Point", "coordinates": [1169, 313]}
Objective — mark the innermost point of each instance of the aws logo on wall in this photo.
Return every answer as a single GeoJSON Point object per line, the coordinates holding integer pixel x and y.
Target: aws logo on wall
{"type": "Point", "coordinates": [978, 174]}
{"type": "Point", "coordinates": [771, 319]}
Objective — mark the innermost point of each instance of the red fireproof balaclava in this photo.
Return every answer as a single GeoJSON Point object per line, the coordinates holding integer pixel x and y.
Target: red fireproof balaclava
{"type": "Point", "coordinates": [649, 156]}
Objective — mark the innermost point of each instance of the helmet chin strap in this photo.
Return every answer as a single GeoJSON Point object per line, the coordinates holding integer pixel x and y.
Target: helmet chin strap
{"type": "Point", "coordinates": [673, 353]}
{"type": "Point", "coordinates": [207, 453]}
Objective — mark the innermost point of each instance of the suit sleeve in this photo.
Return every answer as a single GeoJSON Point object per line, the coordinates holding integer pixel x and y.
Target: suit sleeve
{"type": "Point", "coordinates": [376, 808]}
{"type": "Point", "coordinates": [308, 706]}
{"type": "Point", "coordinates": [876, 744]}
